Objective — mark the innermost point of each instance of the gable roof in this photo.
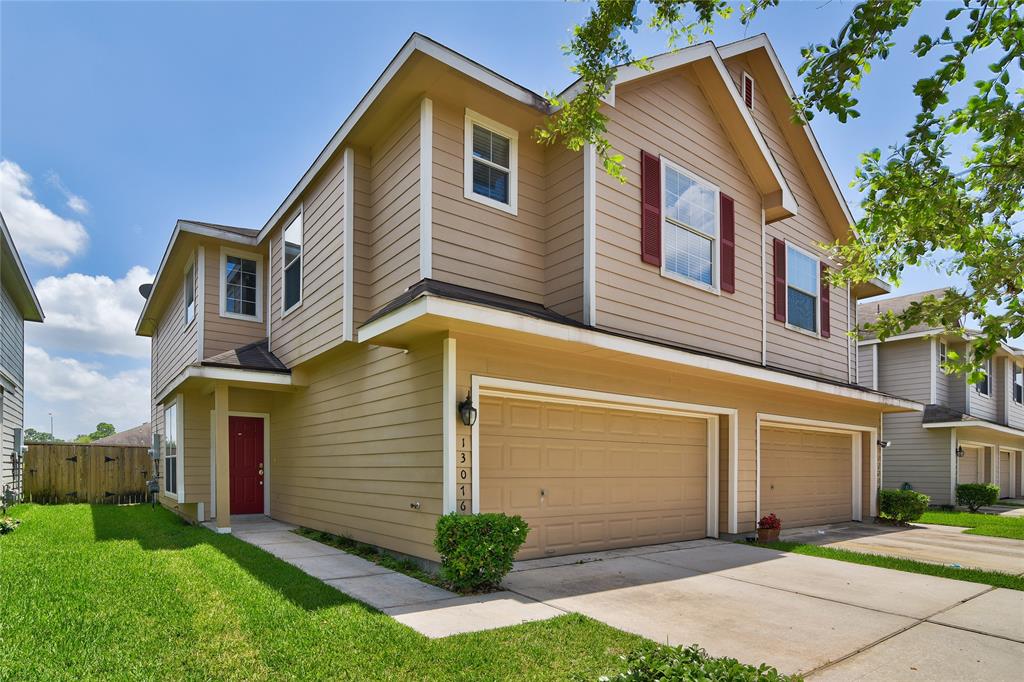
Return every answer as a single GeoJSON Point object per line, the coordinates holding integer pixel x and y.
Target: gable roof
{"type": "Point", "coordinates": [15, 279]}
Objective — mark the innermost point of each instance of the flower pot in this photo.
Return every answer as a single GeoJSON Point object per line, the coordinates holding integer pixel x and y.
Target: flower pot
{"type": "Point", "coordinates": [767, 534]}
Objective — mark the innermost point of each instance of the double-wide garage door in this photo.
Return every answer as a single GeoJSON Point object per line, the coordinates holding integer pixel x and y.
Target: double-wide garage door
{"type": "Point", "coordinates": [806, 476]}
{"type": "Point", "coordinates": [588, 477]}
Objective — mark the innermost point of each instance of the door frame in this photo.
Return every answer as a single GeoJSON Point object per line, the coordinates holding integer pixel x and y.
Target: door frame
{"type": "Point", "coordinates": [855, 431]}
{"type": "Point", "coordinates": [265, 416]}
{"type": "Point", "coordinates": [492, 386]}
{"type": "Point", "coordinates": [1013, 469]}
{"type": "Point", "coordinates": [991, 447]}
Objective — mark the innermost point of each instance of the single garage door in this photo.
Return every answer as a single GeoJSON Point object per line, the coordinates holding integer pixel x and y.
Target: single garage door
{"type": "Point", "coordinates": [806, 476]}
{"type": "Point", "coordinates": [967, 466]}
{"type": "Point", "coordinates": [1004, 474]}
{"type": "Point", "coordinates": [592, 477]}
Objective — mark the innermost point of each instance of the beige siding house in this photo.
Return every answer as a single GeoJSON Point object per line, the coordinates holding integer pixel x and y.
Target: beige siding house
{"type": "Point", "coordinates": [18, 304]}
{"type": "Point", "coordinates": [968, 433]}
{"type": "Point", "coordinates": [445, 316]}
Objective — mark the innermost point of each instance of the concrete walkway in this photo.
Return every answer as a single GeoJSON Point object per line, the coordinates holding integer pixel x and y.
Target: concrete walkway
{"type": "Point", "coordinates": [921, 542]}
{"type": "Point", "coordinates": [427, 609]}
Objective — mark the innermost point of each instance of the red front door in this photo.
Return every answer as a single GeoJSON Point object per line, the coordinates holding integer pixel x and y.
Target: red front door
{"type": "Point", "coordinates": [246, 455]}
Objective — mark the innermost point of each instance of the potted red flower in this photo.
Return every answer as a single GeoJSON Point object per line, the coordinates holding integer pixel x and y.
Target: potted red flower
{"type": "Point", "coordinates": [768, 528]}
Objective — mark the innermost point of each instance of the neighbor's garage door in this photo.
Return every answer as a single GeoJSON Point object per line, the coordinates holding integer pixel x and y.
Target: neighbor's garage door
{"type": "Point", "coordinates": [1004, 474]}
{"type": "Point", "coordinates": [967, 466]}
{"type": "Point", "coordinates": [588, 477]}
{"type": "Point", "coordinates": [806, 476]}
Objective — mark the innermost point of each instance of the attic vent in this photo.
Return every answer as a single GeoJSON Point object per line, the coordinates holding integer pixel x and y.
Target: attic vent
{"type": "Point", "coordinates": [748, 91]}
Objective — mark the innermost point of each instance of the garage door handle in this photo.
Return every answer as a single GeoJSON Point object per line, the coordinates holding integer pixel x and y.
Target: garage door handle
{"type": "Point", "coordinates": [542, 492]}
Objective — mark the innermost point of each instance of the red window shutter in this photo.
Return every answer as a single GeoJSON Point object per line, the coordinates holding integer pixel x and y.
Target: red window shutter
{"type": "Point", "coordinates": [826, 308]}
{"type": "Point", "coordinates": [727, 237]}
{"type": "Point", "coordinates": [650, 208]}
{"type": "Point", "coordinates": [780, 279]}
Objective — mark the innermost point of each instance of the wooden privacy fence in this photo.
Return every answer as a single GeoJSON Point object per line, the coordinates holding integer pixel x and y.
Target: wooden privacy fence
{"type": "Point", "coordinates": [56, 473]}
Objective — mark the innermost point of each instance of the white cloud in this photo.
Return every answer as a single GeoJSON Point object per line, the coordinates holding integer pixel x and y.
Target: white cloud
{"type": "Point", "coordinates": [91, 313]}
{"type": "Point", "coordinates": [75, 202]}
{"type": "Point", "coordinates": [80, 395]}
{"type": "Point", "coordinates": [39, 233]}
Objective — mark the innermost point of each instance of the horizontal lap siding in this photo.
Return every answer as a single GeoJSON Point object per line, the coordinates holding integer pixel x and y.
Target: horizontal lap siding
{"type": "Point", "coordinates": [196, 446]}
{"type": "Point", "coordinates": [222, 334]}
{"type": "Point", "coordinates": [173, 347]}
{"type": "Point", "coordinates": [984, 406]}
{"type": "Point", "coordinates": [904, 369]}
{"type": "Point", "coordinates": [12, 359]}
{"type": "Point", "coordinates": [563, 255]}
{"type": "Point", "coordinates": [788, 348]}
{"type": "Point", "coordinates": [917, 456]}
{"type": "Point", "coordinates": [352, 451]}
{"type": "Point", "coordinates": [865, 365]}
{"type": "Point", "coordinates": [316, 324]}
{"type": "Point", "coordinates": [575, 369]}
{"type": "Point", "coordinates": [475, 245]}
{"type": "Point", "coordinates": [669, 116]}
{"type": "Point", "coordinates": [387, 217]}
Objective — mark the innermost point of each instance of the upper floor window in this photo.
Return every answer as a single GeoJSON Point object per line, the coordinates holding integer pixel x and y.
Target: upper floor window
{"type": "Point", "coordinates": [491, 160]}
{"type": "Point", "coordinates": [171, 449]}
{"type": "Point", "coordinates": [292, 255]}
{"type": "Point", "coordinates": [1018, 384]}
{"type": "Point", "coordinates": [190, 293]}
{"type": "Point", "coordinates": [241, 284]}
{"type": "Point", "coordinates": [689, 231]}
{"type": "Point", "coordinates": [984, 386]}
{"type": "Point", "coordinates": [943, 353]}
{"type": "Point", "coordinates": [802, 288]}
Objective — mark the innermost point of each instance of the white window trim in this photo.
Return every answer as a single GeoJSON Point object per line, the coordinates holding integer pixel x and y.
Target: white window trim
{"type": "Point", "coordinates": [1013, 382]}
{"type": "Point", "coordinates": [987, 366]}
{"type": "Point", "coordinates": [190, 266]}
{"type": "Point", "coordinates": [943, 352]}
{"type": "Point", "coordinates": [473, 118]}
{"type": "Point", "coordinates": [179, 450]}
{"type": "Point", "coordinates": [743, 90]}
{"type": "Point", "coordinates": [300, 216]}
{"type": "Point", "coordinates": [716, 247]}
{"type": "Point", "coordinates": [224, 253]}
{"type": "Point", "coordinates": [817, 294]}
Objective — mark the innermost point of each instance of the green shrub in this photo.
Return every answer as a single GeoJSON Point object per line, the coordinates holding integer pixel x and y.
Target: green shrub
{"type": "Point", "coordinates": [8, 524]}
{"type": "Point", "coordinates": [904, 506]}
{"type": "Point", "coordinates": [477, 550]}
{"type": "Point", "coordinates": [975, 495]}
{"type": "Point", "coordinates": [657, 662]}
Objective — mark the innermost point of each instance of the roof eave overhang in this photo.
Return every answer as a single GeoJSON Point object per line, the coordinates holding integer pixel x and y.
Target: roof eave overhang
{"type": "Point", "coordinates": [873, 287]}
{"type": "Point", "coordinates": [244, 378]}
{"type": "Point", "coordinates": [430, 314]}
{"type": "Point", "coordinates": [24, 294]}
{"type": "Point", "coordinates": [975, 424]}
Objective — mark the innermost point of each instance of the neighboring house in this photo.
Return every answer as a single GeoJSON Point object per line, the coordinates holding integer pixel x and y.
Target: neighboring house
{"type": "Point", "coordinates": [141, 435]}
{"type": "Point", "coordinates": [650, 361]}
{"type": "Point", "coordinates": [968, 433]}
{"type": "Point", "coordinates": [18, 304]}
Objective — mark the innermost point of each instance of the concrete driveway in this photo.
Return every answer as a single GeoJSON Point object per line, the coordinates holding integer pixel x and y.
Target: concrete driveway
{"type": "Point", "coordinates": [818, 617]}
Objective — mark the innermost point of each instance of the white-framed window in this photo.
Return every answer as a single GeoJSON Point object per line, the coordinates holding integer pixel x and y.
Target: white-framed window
{"type": "Point", "coordinates": [984, 387]}
{"type": "Point", "coordinates": [1017, 383]}
{"type": "Point", "coordinates": [803, 287]}
{"type": "Point", "coordinates": [689, 227]}
{"type": "Point", "coordinates": [171, 454]}
{"type": "Point", "coordinates": [748, 90]}
{"type": "Point", "coordinates": [291, 264]}
{"type": "Point", "coordinates": [190, 293]}
{"type": "Point", "coordinates": [943, 353]}
{"type": "Point", "coordinates": [241, 285]}
{"type": "Point", "coordinates": [491, 163]}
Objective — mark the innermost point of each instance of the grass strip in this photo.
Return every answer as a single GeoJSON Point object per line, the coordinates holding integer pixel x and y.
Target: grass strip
{"type": "Point", "coordinates": [973, 575]}
{"type": "Point", "coordinates": [978, 524]}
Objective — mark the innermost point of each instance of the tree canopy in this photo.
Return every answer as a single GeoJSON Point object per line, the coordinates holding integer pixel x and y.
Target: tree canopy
{"type": "Point", "coordinates": [922, 204]}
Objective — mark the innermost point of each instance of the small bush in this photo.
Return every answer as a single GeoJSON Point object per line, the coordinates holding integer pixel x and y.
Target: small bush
{"type": "Point", "coordinates": [904, 506]}
{"type": "Point", "coordinates": [477, 550]}
{"type": "Point", "coordinates": [8, 524]}
{"type": "Point", "coordinates": [976, 495]}
{"type": "Point", "coordinates": [657, 662]}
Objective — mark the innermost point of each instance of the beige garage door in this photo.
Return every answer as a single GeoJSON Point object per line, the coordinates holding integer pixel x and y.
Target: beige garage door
{"type": "Point", "coordinates": [967, 466]}
{"type": "Point", "coordinates": [588, 478]}
{"type": "Point", "coordinates": [806, 476]}
{"type": "Point", "coordinates": [1004, 474]}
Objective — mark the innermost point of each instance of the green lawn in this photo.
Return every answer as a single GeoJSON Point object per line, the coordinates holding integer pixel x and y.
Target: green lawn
{"type": "Point", "coordinates": [93, 592]}
{"type": "Point", "coordinates": [973, 575]}
{"type": "Point", "coordinates": [978, 524]}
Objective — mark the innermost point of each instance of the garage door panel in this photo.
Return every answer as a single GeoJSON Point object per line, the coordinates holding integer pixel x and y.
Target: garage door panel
{"type": "Point", "coordinates": [967, 466]}
{"type": "Point", "coordinates": [617, 478]}
{"type": "Point", "coordinates": [806, 476]}
{"type": "Point", "coordinates": [1004, 474]}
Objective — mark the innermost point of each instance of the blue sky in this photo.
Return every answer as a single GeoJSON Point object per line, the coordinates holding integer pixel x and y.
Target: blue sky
{"type": "Point", "coordinates": [118, 118]}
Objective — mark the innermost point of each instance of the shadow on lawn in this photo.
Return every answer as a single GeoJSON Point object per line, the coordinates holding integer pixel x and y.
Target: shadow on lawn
{"type": "Point", "coordinates": [159, 529]}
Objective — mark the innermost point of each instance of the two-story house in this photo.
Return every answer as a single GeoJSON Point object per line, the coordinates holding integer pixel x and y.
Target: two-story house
{"type": "Point", "coordinates": [968, 432]}
{"type": "Point", "coordinates": [18, 304]}
{"type": "Point", "coordinates": [444, 315]}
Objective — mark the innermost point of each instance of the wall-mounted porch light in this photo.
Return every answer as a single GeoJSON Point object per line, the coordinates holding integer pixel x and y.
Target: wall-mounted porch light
{"type": "Point", "coordinates": [959, 451]}
{"type": "Point", "coordinates": [466, 410]}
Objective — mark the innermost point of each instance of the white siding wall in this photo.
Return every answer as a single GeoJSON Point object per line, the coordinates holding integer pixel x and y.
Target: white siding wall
{"type": "Point", "coordinates": [12, 361]}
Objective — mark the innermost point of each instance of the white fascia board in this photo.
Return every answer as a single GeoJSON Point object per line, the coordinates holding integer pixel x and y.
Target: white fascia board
{"type": "Point", "coordinates": [974, 423]}
{"type": "Point", "coordinates": [225, 374]}
{"type": "Point", "coordinates": [503, 319]}
{"type": "Point", "coordinates": [415, 43]}
{"type": "Point", "coordinates": [761, 41]}
{"type": "Point", "coordinates": [903, 337]}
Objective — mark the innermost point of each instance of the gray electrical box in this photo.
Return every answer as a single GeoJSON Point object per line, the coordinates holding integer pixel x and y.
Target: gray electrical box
{"type": "Point", "coordinates": [19, 442]}
{"type": "Point", "coordinates": [154, 452]}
